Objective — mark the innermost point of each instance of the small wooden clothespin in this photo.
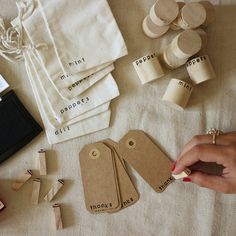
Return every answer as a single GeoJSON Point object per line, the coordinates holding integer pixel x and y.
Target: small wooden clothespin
{"type": "Point", "coordinates": [35, 191]}
{"type": "Point", "coordinates": [22, 179]}
{"type": "Point", "coordinates": [2, 206]}
{"type": "Point", "coordinates": [182, 175]}
{"type": "Point", "coordinates": [54, 190]}
{"type": "Point", "coordinates": [58, 218]}
{"type": "Point", "coordinates": [42, 162]}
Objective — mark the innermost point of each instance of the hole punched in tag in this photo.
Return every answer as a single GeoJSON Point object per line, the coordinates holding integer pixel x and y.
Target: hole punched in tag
{"type": "Point", "coordinates": [131, 143]}
{"type": "Point", "coordinates": [94, 154]}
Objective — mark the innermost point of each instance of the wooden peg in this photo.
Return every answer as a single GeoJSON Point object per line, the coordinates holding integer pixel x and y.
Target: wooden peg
{"type": "Point", "coordinates": [210, 12]}
{"type": "Point", "coordinates": [177, 94]}
{"type": "Point", "coordinates": [54, 190]}
{"type": "Point", "coordinates": [36, 191]}
{"type": "Point", "coordinates": [152, 30]}
{"type": "Point", "coordinates": [21, 180]}
{"type": "Point", "coordinates": [2, 206]}
{"type": "Point", "coordinates": [186, 44]}
{"type": "Point", "coordinates": [58, 218]}
{"type": "Point", "coordinates": [174, 25]}
{"type": "Point", "coordinates": [170, 60]}
{"type": "Point", "coordinates": [200, 69]}
{"type": "Point", "coordinates": [148, 68]}
{"type": "Point", "coordinates": [164, 12]}
{"type": "Point", "coordinates": [42, 162]}
{"type": "Point", "coordinates": [182, 175]}
{"type": "Point", "coordinates": [191, 16]}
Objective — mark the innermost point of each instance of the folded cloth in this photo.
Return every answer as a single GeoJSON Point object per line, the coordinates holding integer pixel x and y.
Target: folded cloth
{"type": "Point", "coordinates": [38, 35]}
{"type": "Point", "coordinates": [84, 33]}
{"type": "Point", "coordinates": [102, 92]}
{"type": "Point", "coordinates": [74, 128]}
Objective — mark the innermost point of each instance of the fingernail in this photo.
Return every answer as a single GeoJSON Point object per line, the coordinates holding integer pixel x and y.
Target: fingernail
{"type": "Point", "coordinates": [187, 180]}
{"type": "Point", "coordinates": [173, 168]}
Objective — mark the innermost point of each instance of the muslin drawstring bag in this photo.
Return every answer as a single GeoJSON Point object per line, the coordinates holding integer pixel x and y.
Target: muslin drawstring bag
{"type": "Point", "coordinates": [84, 33]}
{"type": "Point", "coordinates": [67, 131]}
{"type": "Point", "coordinates": [68, 86]}
{"type": "Point", "coordinates": [102, 92]}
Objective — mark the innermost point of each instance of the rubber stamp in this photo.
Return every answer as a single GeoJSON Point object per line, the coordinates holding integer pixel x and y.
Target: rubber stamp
{"type": "Point", "coordinates": [21, 180]}
{"type": "Point", "coordinates": [57, 215]}
{"type": "Point", "coordinates": [182, 175]}
{"type": "Point", "coordinates": [42, 162]}
{"type": "Point", "coordinates": [35, 191]}
{"type": "Point", "coordinates": [54, 190]}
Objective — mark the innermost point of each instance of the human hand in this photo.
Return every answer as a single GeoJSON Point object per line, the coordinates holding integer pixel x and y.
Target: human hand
{"type": "Point", "coordinates": [200, 148]}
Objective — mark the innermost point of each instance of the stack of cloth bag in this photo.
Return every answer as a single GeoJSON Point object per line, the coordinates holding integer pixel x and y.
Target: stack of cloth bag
{"type": "Point", "coordinates": [69, 48]}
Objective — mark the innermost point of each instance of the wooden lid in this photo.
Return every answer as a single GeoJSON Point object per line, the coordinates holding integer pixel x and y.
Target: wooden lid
{"type": "Point", "coordinates": [193, 15]}
{"type": "Point", "coordinates": [210, 12]}
{"type": "Point", "coordinates": [174, 25]}
{"type": "Point", "coordinates": [203, 36]}
{"type": "Point", "coordinates": [171, 61]}
{"type": "Point", "coordinates": [152, 30]}
{"type": "Point", "coordinates": [164, 12]}
{"type": "Point", "coordinates": [186, 44]}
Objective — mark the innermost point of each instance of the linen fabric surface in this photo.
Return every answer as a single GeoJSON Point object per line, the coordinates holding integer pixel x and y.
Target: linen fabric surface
{"type": "Point", "coordinates": [183, 209]}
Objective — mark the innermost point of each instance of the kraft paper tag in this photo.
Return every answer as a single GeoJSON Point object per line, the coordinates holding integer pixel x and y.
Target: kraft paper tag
{"type": "Point", "coordinates": [128, 192]}
{"type": "Point", "coordinates": [147, 159]}
{"type": "Point", "coordinates": [99, 178]}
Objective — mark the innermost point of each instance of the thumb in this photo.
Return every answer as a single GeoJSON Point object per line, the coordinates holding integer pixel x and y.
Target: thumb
{"type": "Point", "coordinates": [217, 183]}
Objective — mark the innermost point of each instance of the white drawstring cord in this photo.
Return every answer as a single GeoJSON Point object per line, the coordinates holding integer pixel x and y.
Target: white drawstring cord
{"type": "Point", "coordinates": [11, 40]}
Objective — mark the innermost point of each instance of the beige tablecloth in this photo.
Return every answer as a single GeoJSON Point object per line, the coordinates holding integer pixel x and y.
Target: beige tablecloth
{"type": "Point", "coordinates": [183, 209]}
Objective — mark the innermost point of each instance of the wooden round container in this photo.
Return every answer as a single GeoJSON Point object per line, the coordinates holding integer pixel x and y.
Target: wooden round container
{"type": "Point", "coordinates": [163, 12]}
{"type": "Point", "coordinates": [152, 30]}
{"type": "Point", "coordinates": [203, 36]}
{"type": "Point", "coordinates": [191, 16]}
{"type": "Point", "coordinates": [148, 68]}
{"type": "Point", "coordinates": [177, 94]}
{"type": "Point", "coordinates": [186, 44]}
{"type": "Point", "coordinates": [210, 12]}
{"type": "Point", "coordinates": [173, 25]}
{"type": "Point", "coordinates": [170, 59]}
{"type": "Point", "coordinates": [200, 69]}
